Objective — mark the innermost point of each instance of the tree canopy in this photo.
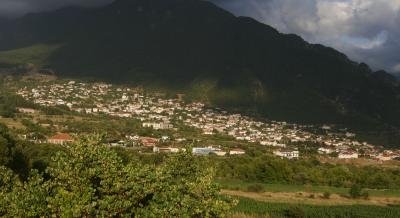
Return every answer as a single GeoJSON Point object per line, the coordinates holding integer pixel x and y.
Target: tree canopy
{"type": "Point", "coordinates": [89, 179]}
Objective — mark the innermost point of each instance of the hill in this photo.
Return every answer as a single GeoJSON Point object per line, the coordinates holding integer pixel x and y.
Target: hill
{"type": "Point", "coordinates": [212, 55]}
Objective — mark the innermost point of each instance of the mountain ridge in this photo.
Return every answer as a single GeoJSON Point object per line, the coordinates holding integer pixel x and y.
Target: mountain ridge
{"type": "Point", "coordinates": [192, 44]}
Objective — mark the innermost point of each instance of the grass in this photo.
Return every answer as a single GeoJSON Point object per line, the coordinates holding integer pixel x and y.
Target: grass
{"type": "Point", "coordinates": [36, 54]}
{"type": "Point", "coordinates": [251, 208]}
{"type": "Point", "coordinates": [240, 185]}
{"type": "Point", "coordinates": [12, 123]}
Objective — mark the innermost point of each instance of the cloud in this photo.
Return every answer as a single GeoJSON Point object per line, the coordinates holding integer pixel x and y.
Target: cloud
{"type": "Point", "coordinates": [396, 68]}
{"type": "Point", "coordinates": [366, 43]}
{"type": "Point", "coordinates": [12, 8]}
{"type": "Point", "coordinates": [365, 30]}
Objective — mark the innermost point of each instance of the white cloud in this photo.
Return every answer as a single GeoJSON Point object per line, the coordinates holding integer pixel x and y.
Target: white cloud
{"type": "Point", "coordinates": [366, 43]}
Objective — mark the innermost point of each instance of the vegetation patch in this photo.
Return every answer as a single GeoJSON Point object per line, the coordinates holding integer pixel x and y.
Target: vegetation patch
{"type": "Point", "coordinates": [253, 207]}
{"type": "Point", "coordinates": [36, 54]}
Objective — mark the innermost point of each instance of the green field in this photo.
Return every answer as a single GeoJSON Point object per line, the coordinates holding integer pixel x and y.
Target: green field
{"type": "Point", "coordinates": [35, 54]}
{"type": "Point", "coordinates": [255, 208]}
{"type": "Point", "coordinates": [240, 185]}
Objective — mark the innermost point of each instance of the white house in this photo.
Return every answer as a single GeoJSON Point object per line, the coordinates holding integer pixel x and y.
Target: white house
{"type": "Point", "coordinates": [166, 149]}
{"type": "Point", "coordinates": [325, 150]}
{"type": "Point", "coordinates": [348, 155]}
{"type": "Point", "coordinates": [289, 154]}
{"type": "Point", "coordinates": [237, 151]}
{"type": "Point", "coordinates": [157, 126]}
{"type": "Point", "coordinates": [26, 110]}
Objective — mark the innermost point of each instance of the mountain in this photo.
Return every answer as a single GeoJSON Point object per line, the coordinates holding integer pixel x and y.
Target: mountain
{"type": "Point", "coordinates": [207, 52]}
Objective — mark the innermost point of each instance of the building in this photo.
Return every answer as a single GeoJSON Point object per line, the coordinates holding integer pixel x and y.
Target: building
{"type": "Point", "coordinates": [237, 151]}
{"type": "Point", "coordinates": [202, 151]}
{"type": "Point", "coordinates": [158, 126]}
{"type": "Point", "coordinates": [166, 150]}
{"type": "Point", "coordinates": [148, 142]}
{"type": "Point", "coordinates": [386, 156]}
{"type": "Point", "coordinates": [60, 139]}
{"type": "Point", "coordinates": [220, 153]}
{"type": "Point", "coordinates": [289, 154]}
{"type": "Point", "coordinates": [325, 150]}
{"type": "Point", "coordinates": [26, 110]}
{"type": "Point", "coordinates": [348, 155]}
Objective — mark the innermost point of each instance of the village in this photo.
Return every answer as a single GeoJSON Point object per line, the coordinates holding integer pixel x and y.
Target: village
{"type": "Point", "coordinates": [157, 112]}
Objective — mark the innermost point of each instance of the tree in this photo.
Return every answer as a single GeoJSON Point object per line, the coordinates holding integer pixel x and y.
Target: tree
{"type": "Point", "coordinates": [89, 179]}
{"type": "Point", "coordinates": [355, 191]}
{"type": "Point", "coordinates": [6, 145]}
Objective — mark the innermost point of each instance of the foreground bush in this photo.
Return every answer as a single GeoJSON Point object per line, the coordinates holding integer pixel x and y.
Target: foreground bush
{"type": "Point", "coordinates": [90, 180]}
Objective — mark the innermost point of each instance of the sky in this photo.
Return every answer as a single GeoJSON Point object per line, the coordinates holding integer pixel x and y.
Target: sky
{"type": "Point", "coordinates": [365, 30]}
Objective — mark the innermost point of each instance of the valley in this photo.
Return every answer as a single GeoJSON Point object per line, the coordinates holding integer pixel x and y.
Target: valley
{"type": "Point", "coordinates": [180, 108]}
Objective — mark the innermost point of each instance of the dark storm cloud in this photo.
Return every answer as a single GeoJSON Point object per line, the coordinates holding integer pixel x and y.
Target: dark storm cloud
{"type": "Point", "coordinates": [13, 8]}
{"type": "Point", "coordinates": [365, 30]}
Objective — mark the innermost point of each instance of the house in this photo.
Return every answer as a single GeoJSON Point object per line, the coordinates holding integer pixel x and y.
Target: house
{"type": "Point", "coordinates": [289, 154]}
{"type": "Point", "coordinates": [148, 141]}
{"type": "Point", "coordinates": [115, 143]}
{"type": "Point", "coordinates": [158, 126]}
{"type": "Point", "coordinates": [26, 110]}
{"type": "Point", "coordinates": [386, 156]}
{"type": "Point", "coordinates": [237, 151]}
{"type": "Point", "coordinates": [202, 151]}
{"type": "Point", "coordinates": [166, 150]}
{"type": "Point", "coordinates": [219, 153]}
{"type": "Point", "coordinates": [165, 138]}
{"type": "Point", "coordinates": [323, 150]}
{"type": "Point", "coordinates": [208, 131]}
{"type": "Point", "coordinates": [348, 155]}
{"type": "Point", "coordinates": [60, 139]}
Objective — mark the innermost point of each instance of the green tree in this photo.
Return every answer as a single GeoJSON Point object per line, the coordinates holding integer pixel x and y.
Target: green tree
{"type": "Point", "coordinates": [7, 145]}
{"type": "Point", "coordinates": [89, 179]}
{"type": "Point", "coordinates": [355, 191]}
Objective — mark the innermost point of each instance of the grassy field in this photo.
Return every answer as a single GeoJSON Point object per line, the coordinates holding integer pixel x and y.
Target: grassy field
{"type": "Point", "coordinates": [252, 208]}
{"type": "Point", "coordinates": [12, 123]}
{"type": "Point", "coordinates": [239, 185]}
{"type": "Point", "coordinates": [312, 198]}
{"type": "Point", "coordinates": [36, 54]}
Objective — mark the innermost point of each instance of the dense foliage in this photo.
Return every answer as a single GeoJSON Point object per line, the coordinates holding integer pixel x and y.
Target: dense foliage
{"type": "Point", "coordinates": [11, 154]}
{"type": "Point", "coordinates": [89, 179]}
{"type": "Point", "coordinates": [9, 102]}
{"type": "Point", "coordinates": [269, 169]}
{"type": "Point", "coordinates": [7, 145]}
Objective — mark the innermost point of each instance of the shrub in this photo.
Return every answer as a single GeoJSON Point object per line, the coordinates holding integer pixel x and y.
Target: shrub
{"type": "Point", "coordinates": [255, 188]}
{"type": "Point", "coordinates": [355, 191]}
{"type": "Point", "coordinates": [365, 195]}
{"type": "Point", "coordinates": [294, 212]}
{"type": "Point", "coordinates": [326, 195]}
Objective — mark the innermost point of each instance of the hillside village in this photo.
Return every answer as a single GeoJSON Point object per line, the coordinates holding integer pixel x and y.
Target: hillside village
{"type": "Point", "coordinates": [160, 113]}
